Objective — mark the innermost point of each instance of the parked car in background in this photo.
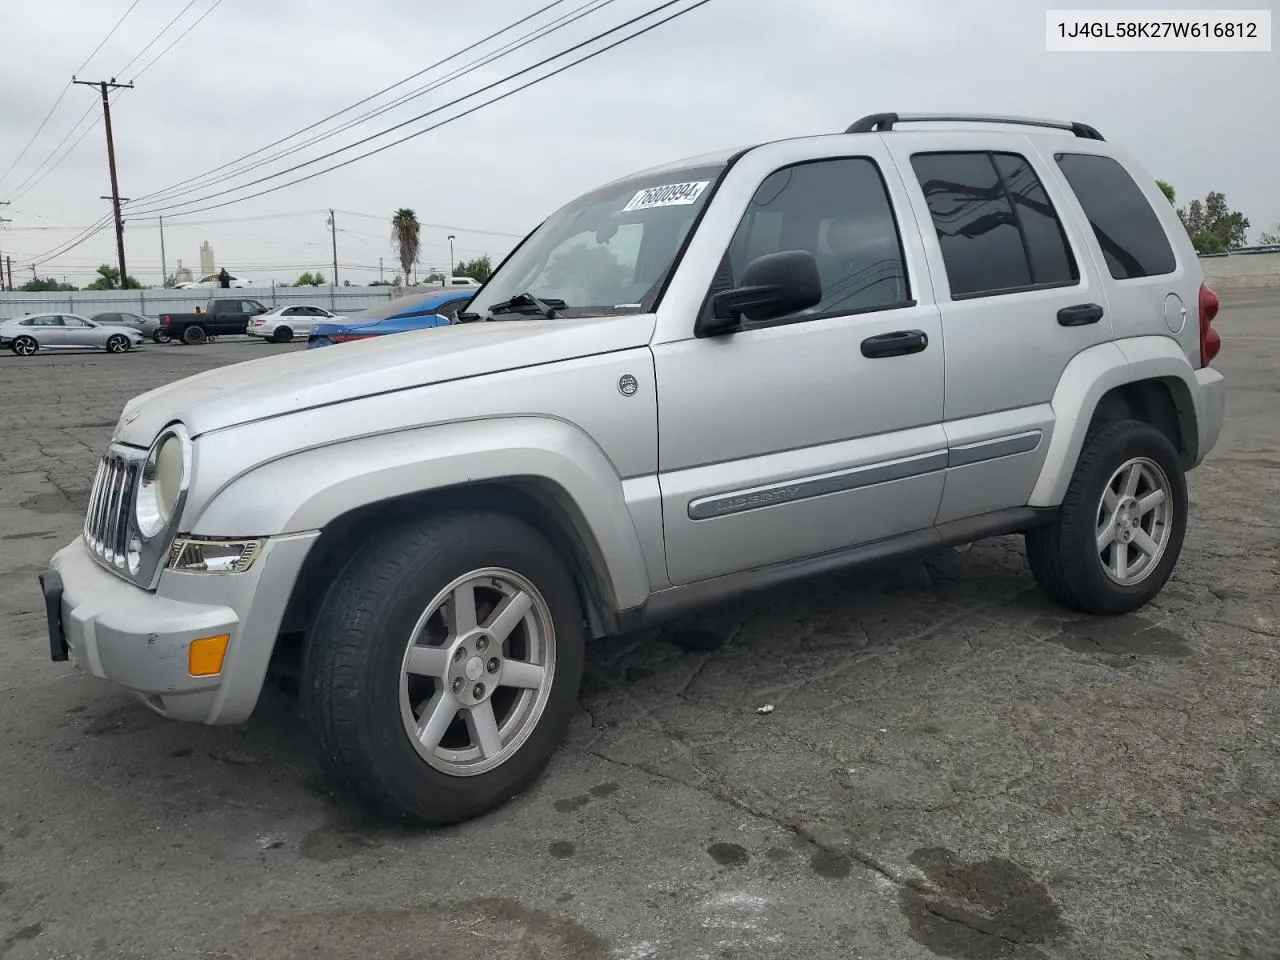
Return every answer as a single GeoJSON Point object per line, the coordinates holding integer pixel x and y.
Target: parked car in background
{"type": "Point", "coordinates": [54, 331]}
{"type": "Point", "coordinates": [211, 280]}
{"type": "Point", "coordinates": [402, 315]}
{"type": "Point", "coordinates": [284, 323]}
{"type": "Point", "coordinates": [461, 282]}
{"type": "Point", "coordinates": [149, 327]}
{"type": "Point", "coordinates": [224, 316]}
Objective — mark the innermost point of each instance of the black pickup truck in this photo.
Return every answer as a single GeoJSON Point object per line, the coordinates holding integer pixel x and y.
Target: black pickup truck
{"type": "Point", "coordinates": [223, 316]}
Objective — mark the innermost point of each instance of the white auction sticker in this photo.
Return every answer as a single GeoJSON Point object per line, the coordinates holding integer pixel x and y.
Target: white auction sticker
{"type": "Point", "coordinates": [670, 195]}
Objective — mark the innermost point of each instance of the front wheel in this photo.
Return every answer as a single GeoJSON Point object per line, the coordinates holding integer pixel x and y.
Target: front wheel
{"type": "Point", "coordinates": [24, 346]}
{"type": "Point", "coordinates": [1119, 531]}
{"type": "Point", "coordinates": [117, 343]}
{"type": "Point", "coordinates": [161, 336]}
{"type": "Point", "coordinates": [444, 665]}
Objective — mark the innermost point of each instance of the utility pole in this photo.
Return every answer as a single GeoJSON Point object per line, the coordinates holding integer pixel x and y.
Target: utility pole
{"type": "Point", "coordinates": [333, 228]}
{"type": "Point", "coordinates": [379, 269]}
{"type": "Point", "coordinates": [452, 265]}
{"type": "Point", "coordinates": [106, 86]}
{"type": "Point", "coordinates": [4, 220]}
{"type": "Point", "coordinates": [164, 268]}
{"type": "Point", "coordinates": [9, 260]}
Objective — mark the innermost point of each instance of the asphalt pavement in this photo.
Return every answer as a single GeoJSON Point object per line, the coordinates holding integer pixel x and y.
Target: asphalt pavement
{"type": "Point", "coordinates": [952, 766]}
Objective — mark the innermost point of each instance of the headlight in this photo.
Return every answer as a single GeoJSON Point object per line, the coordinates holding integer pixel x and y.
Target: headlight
{"type": "Point", "coordinates": [165, 476]}
{"type": "Point", "coordinates": [196, 555]}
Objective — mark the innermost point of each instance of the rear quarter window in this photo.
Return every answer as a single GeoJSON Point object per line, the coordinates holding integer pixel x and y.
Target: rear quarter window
{"type": "Point", "coordinates": [1127, 229]}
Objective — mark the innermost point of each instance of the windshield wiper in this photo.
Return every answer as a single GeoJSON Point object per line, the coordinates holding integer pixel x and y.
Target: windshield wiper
{"type": "Point", "coordinates": [527, 303]}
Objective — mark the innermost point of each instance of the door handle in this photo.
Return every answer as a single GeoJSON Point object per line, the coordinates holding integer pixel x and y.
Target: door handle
{"type": "Point", "coordinates": [897, 344]}
{"type": "Point", "coordinates": [1079, 315]}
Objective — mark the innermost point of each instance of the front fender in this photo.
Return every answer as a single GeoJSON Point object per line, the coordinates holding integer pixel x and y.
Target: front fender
{"type": "Point", "coordinates": [1088, 377]}
{"type": "Point", "coordinates": [306, 490]}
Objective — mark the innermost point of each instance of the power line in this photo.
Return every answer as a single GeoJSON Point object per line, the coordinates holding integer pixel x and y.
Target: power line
{"type": "Point", "coordinates": [62, 95]}
{"type": "Point", "coordinates": [194, 24]}
{"type": "Point", "coordinates": [208, 180]}
{"type": "Point", "coordinates": [164, 29]}
{"type": "Point", "coordinates": [97, 228]}
{"type": "Point", "coordinates": [110, 33]}
{"type": "Point", "coordinates": [467, 112]}
{"type": "Point", "coordinates": [358, 103]}
{"type": "Point", "coordinates": [18, 191]}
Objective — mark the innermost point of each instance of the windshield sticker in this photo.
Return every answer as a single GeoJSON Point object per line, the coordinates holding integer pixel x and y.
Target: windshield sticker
{"type": "Point", "coordinates": [671, 195]}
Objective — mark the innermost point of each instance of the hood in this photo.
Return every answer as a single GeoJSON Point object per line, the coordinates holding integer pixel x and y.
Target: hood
{"type": "Point", "coordinates": [272, 386]}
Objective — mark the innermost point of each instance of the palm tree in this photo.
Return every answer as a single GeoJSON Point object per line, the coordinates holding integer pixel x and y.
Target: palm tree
{"type": "Point", "coordinates": [405, 239]}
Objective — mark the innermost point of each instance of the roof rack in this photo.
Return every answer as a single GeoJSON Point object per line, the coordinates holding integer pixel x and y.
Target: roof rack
{"type": "Point", "coordinates": [885, 121]}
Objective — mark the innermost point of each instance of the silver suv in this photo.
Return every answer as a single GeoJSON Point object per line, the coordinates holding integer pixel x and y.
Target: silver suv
{"type": "Point", "coordinates": [713, 376]}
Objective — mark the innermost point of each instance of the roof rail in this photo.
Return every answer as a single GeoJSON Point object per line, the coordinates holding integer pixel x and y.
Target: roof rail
{"type": "Point", "coordinates": [885, 121]}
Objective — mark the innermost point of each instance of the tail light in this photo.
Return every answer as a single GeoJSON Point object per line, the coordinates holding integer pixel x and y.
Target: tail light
{"type": "Point", "coordinates": [164, 319]}
{"type": "Point", "coordinates": [348, 337]}
{"type": "Point", "coordinates": [1210, 342]}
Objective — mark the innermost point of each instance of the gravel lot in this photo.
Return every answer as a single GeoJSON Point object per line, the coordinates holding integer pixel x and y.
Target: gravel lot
{"type": "Point", "coordinates": [953, 766]}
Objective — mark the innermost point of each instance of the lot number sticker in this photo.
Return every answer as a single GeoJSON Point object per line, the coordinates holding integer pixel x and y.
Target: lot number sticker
{"type": "Point", "coordinates": [671, 195]}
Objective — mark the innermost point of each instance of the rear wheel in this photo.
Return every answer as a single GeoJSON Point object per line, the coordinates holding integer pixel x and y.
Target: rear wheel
{"type": "Point", "coordinates": [444, 665]}
{"type": "Point", "coordinates": [1119, 531]}
{"type": "Point", "coordinates": [193, 336]}
{"type": "Point", "coordinates": [282, 335]}
{"type": "Point", "coordinates": [24, 346]}
{"type": "Point", "coordinates": [117, 343]}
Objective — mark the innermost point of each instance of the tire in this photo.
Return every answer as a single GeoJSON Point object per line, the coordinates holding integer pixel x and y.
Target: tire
{"type": "Point", "coordinates": [117, 343]}
{"type": "Point", "coordinates": [361, 703]}
{"type": "Point", "coordinates": [282, 335]}
{"type": "Point", "coordinates": [193, 336]}
{"type": "Point", "coordinates": [161, 336]}
{"type": "Point", "coordinates": [1065, 556]}
{"type": "Point", "coordinates": [24, 346]}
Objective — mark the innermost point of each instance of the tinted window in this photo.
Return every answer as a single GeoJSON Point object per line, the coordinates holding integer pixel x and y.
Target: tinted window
{"type": "Point", "coordinates": [996, 227]}
{"type": "Point", "coordinates": [108, 317]}
{"type": "Point", "coordinates": [839, 211]}
{"type": "Point", "coordinates": [1130, 234]}
{"type": "Point", "coordinates": [250, 306]}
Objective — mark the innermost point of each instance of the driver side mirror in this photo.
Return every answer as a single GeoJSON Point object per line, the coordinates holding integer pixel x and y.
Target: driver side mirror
{"type": "Point", "coordinates": [772, 286]}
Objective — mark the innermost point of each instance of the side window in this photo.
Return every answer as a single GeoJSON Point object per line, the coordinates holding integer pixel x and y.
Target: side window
{"type": "Point", "coordinates": [1130, 234]}
{"type": "Point", "coordinates": [73, 322]}
{"type": "Point", "coordinates": [249, 306]}
{"type": "Point", "coordinates": [996, 227]}
{"type": "Point", "coordinates": [838, 210]}
{"type": "Point", "coordinates": [109, 318]}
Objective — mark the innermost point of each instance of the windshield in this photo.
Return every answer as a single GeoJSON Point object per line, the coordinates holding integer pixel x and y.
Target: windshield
{"type": "Point", "coordinates": [607, 252]}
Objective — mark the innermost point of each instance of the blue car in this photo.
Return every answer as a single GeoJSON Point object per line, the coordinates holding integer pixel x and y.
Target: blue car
{"type": "Point", "coordinates": [418, 311]}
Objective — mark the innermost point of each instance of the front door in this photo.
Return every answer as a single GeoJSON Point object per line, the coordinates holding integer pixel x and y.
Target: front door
{"type": "Point", "coordinates": [809, 433]}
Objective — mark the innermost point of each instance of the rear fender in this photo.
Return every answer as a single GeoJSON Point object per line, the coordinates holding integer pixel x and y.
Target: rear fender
{"type": "Point", "coordinates": [1088, 377]}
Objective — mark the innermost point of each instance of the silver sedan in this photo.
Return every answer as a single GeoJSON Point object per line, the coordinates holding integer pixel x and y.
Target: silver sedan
{"type": "Point", "coordinates": [55, 331]}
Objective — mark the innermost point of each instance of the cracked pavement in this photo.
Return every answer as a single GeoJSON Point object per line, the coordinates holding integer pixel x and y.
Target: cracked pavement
{"type": "Point", "coordinates": [952, 766]}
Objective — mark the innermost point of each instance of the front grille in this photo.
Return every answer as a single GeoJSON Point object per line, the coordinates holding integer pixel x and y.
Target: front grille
{"type": "Point", "coordinates": [107, 523]}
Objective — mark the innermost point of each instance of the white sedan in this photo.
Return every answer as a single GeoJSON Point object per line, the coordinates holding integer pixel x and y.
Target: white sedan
{"type": "Point", "coordinates": [54, 331]}
{"type": "Point", "coordinates": [284, 323]}
{"type": "Point", "coordinates": [212, 281]}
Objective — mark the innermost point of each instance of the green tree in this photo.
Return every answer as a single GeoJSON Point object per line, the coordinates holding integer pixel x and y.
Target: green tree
{"type": "Point", "coordinates": [46, 285]}
{"type": "Point", "coordinates": [1166, 189]}
{"type": "Point", "coordinates": [478, 268]}
{"type": "Point", "coordinates": [1270, 237]}
{"type": "Point", "coordinates": [406, 238]}
{"type": "Point", "coordinates": [309, 279]}
{"type": "Point", "coordinates": [1213, 226]}
{"type": "Point", "coordinates": [109, 279]}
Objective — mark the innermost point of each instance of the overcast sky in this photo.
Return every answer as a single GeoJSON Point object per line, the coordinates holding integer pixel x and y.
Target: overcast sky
{"type": "Point", "coordinates": [731, 73]}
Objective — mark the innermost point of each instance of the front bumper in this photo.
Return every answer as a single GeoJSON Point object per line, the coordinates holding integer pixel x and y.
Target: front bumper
{"type": "Point", "coordinates": [139, 639]}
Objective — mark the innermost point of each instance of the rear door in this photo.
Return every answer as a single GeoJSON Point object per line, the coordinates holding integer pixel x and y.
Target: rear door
{"type": "Point", "coordinates": [1019, 298]}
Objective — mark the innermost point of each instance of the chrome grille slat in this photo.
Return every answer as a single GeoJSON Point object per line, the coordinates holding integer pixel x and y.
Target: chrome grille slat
{"type": "Point", "coordinates": [108, 524]}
